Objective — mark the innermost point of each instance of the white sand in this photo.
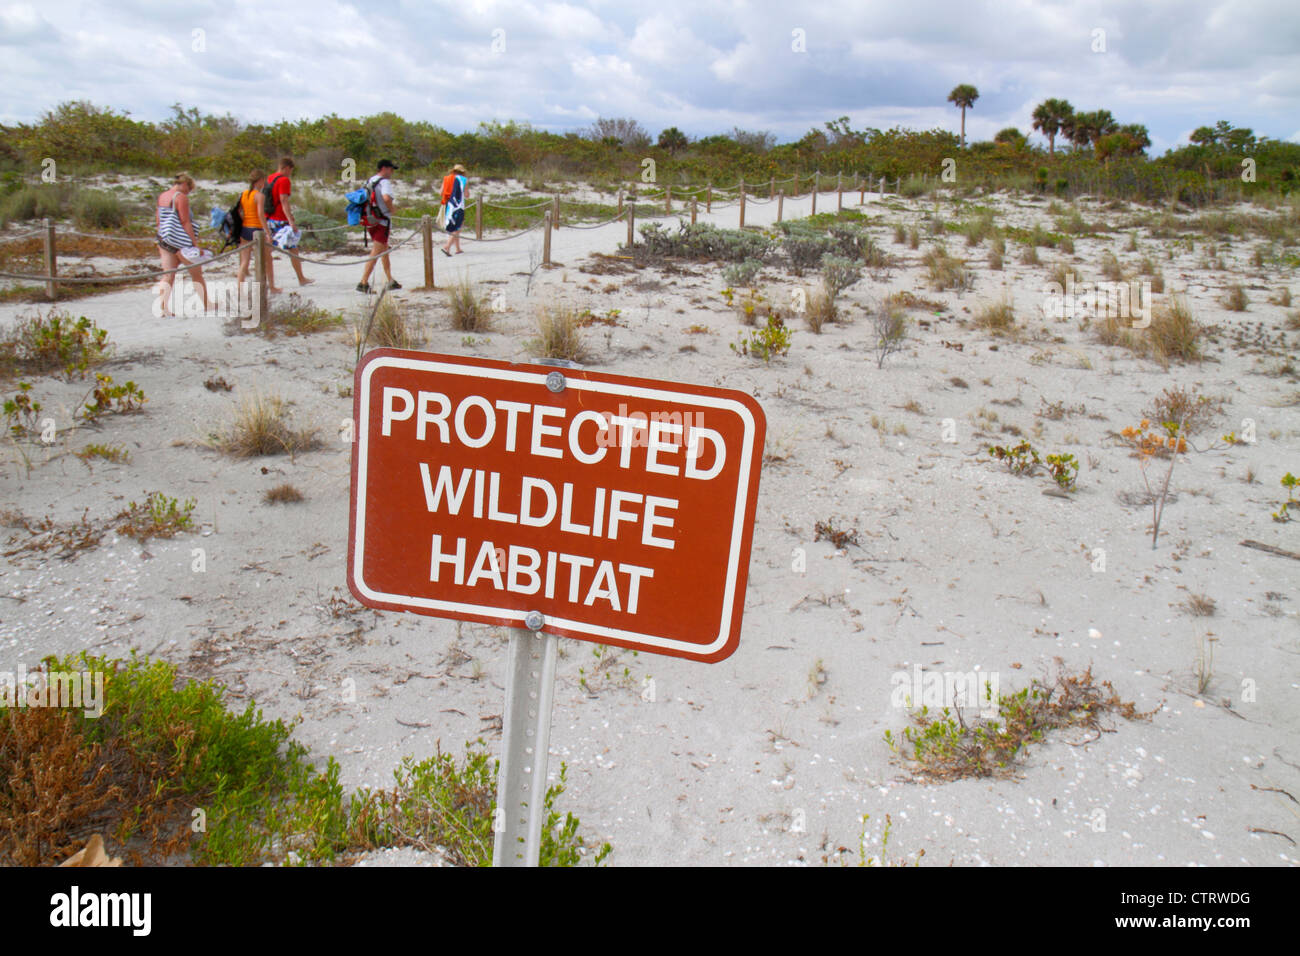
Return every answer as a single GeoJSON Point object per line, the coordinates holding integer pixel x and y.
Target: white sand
{"type": "Point", "coordinates": [961, 565]}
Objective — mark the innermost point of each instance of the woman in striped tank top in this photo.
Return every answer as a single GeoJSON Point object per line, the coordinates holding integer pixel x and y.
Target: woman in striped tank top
{"type": "Point", "coordinates": [176, 232]}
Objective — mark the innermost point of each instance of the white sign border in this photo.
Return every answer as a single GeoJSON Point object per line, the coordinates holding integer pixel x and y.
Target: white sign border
{"type": "Point", "coordinates": [744, 490]}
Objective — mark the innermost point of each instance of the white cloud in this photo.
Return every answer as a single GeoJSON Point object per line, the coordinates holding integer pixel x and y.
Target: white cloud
{"type": "Point", "coordinates": [701, 65]}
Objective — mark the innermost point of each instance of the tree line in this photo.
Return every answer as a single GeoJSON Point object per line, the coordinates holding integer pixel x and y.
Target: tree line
{"type": "Point", "coordinates": [1102, 154]}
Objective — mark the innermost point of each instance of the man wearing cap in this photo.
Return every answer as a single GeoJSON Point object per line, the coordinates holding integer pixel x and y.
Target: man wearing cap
{"type": "Point", "coordinates": [378, 220]}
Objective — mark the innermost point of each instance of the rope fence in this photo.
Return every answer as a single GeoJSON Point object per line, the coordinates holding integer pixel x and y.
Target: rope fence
{"type": "Point", "coordinates": [692, 200]}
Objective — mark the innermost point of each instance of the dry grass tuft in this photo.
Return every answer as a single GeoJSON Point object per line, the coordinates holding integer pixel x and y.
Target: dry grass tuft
{"type": "Point", "coordinates": [469, 310]}
{"type": "Point", "coordinates": [1178, 403]}
{"type": "Point", "coordinates": [997, 317]}
{"type": "Point", "coordinates": [1110, 267]}
{"type": "Point", "coordinates": [558, 335]}
{"type": "Point", "coordinates": [820, 309]}
{"type": "Point", "coordinates": [261, 427]}
{"type": "Point", "coordinates": [282, 495]}
{"type": "Point", "coordinates": [945, 271]}
{"type": "Point", "coordinates": [1173, 334]}
{"type": "Point", "coordinates": [391, 329]}
{"type": "Point", "coordinates": [1235, 299]}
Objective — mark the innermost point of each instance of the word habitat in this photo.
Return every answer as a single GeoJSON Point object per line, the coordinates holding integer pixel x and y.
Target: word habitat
{"type": "Point", "coordinates": [618, 508]}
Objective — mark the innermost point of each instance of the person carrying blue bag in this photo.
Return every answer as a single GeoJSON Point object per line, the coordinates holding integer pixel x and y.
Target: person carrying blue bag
{"type": "Point", "coordinates": [377, 215]}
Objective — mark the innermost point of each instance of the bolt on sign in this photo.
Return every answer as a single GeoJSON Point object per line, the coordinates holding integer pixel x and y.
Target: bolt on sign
{"type": "Point", "coordinates": [619, 508]}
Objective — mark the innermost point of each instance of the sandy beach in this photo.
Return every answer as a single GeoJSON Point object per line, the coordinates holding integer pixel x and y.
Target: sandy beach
{"type": "Point", "coordinates": [773, 756]}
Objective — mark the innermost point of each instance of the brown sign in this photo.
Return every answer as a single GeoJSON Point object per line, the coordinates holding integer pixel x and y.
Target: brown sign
{"type": "Point", "coordinates": [619, 508]}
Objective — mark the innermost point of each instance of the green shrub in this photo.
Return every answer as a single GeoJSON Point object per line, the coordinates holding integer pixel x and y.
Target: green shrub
{"type": "Point", "coordinates": [805, 246]}
{"type": "Point", "coordinates": [45, 201]}
{"type": "Point", "coordinates": [158, 516]}
{"type": "Point", "coordinates": [99, 209]}
{"type": "Point", "coordinates": [322, 232]}
{"type": "Point", "coordinates": [838, 273]}
{"type": "Point", "coordinates": [701, 242]}
{"type": "Point", "coordinates": [54, 342]}
{"type": "Point", "coordinates": [292, 315]}
{"type": "Point", "coordinates": [165, 754]}
{"type": "Point", "coordinates": [741, 274]}
{"type": "Point", "coordinates": [765, 343]}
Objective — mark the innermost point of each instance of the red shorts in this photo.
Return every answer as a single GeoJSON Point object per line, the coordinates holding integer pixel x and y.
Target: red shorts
{"type": "Point", "coordinates": [378, 233]}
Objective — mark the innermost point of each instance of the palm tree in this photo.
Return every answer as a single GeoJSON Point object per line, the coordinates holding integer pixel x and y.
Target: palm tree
{"type": "Point", "coordinates": [964, 97]}
{"type": "Point", "coordinates": [1092, 126]}
{"type": "Point", "coordinates": [672, 139]}
{"type": "Point", "coordinates": [1103, 124]}
{"type": "Point", "coordinates": [1138, 135]}
{"type": "Point", "coordinates": [1053, 116]}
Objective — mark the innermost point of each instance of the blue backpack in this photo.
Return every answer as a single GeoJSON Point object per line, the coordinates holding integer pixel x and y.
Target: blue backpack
{"type": "Point", "coordinates": [358, 200]}
{"type": "Point", "coordinates": [362, 204]}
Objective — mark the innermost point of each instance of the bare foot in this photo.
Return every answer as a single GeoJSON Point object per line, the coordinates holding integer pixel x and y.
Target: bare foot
{"type": "Point", "coordinates": [306, 281]}
{"type": "Point", "coordinates": [274, 291]}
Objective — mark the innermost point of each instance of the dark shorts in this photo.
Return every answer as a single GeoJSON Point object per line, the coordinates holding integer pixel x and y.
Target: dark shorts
{"type": "Point", "coordinates": [165, 246]}
{"type": "Point", "coordinates": [379, 233]}
{"type": "Point", "coordinates": [456, 220]}
{"type": "Point", "coordinates": [248, 234]}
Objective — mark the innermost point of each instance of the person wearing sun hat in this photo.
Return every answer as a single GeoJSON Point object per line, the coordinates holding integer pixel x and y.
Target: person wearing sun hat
{"type": "Point", "coordinates": [455, 191]}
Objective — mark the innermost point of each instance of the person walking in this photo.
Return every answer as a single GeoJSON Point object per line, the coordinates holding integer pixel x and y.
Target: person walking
{"type": "Point", "coordinates": [379, 222]}
{"type": "Point", "coordinates": [176, 236]}
{"type": "Point", "coordinates": [455, 199]}
{"type": "Point", "coordinates": [282, 214]}
{"type": "Point", "coordinates": [254, 221]}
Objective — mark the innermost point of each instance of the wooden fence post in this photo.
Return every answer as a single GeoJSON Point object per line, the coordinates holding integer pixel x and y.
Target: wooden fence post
{"type": "Point", "coordinates": [742, 204]}
{"type": "Point", "coordinates": [839, 192]}
{"type": "Point", "coordinates": [708, 198]}
{"type": "Point", "coordinates": [555, 212]}
{"type": "Point", "coordinates": [259, 273]}
{"type": "Point", "coordinates": [694, 205]}
{"type": "Point", "coordinates": [426, 232]}
{"type": "Point", "coordinates": [51, 261]}
{"type": "Point", "coordinates": [817, 177]}
{"type": "Point", "coordinates": [631, 226]}
{"type": "Point", "coordinates": [478, 218]}
{"type": "Point", "coordinates": [546, 240]}
{"type": "Point", "coordinates": [620, 202]}
{"type": "Point", "coordinates": [780, 204]}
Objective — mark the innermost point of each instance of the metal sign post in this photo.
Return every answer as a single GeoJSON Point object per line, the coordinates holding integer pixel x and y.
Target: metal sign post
{"type": "Point", "coordinates": [525, 738]}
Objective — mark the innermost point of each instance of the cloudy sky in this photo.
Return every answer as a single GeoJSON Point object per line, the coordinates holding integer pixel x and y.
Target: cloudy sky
{"type": "Point", "coordinates": [701, 65]}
